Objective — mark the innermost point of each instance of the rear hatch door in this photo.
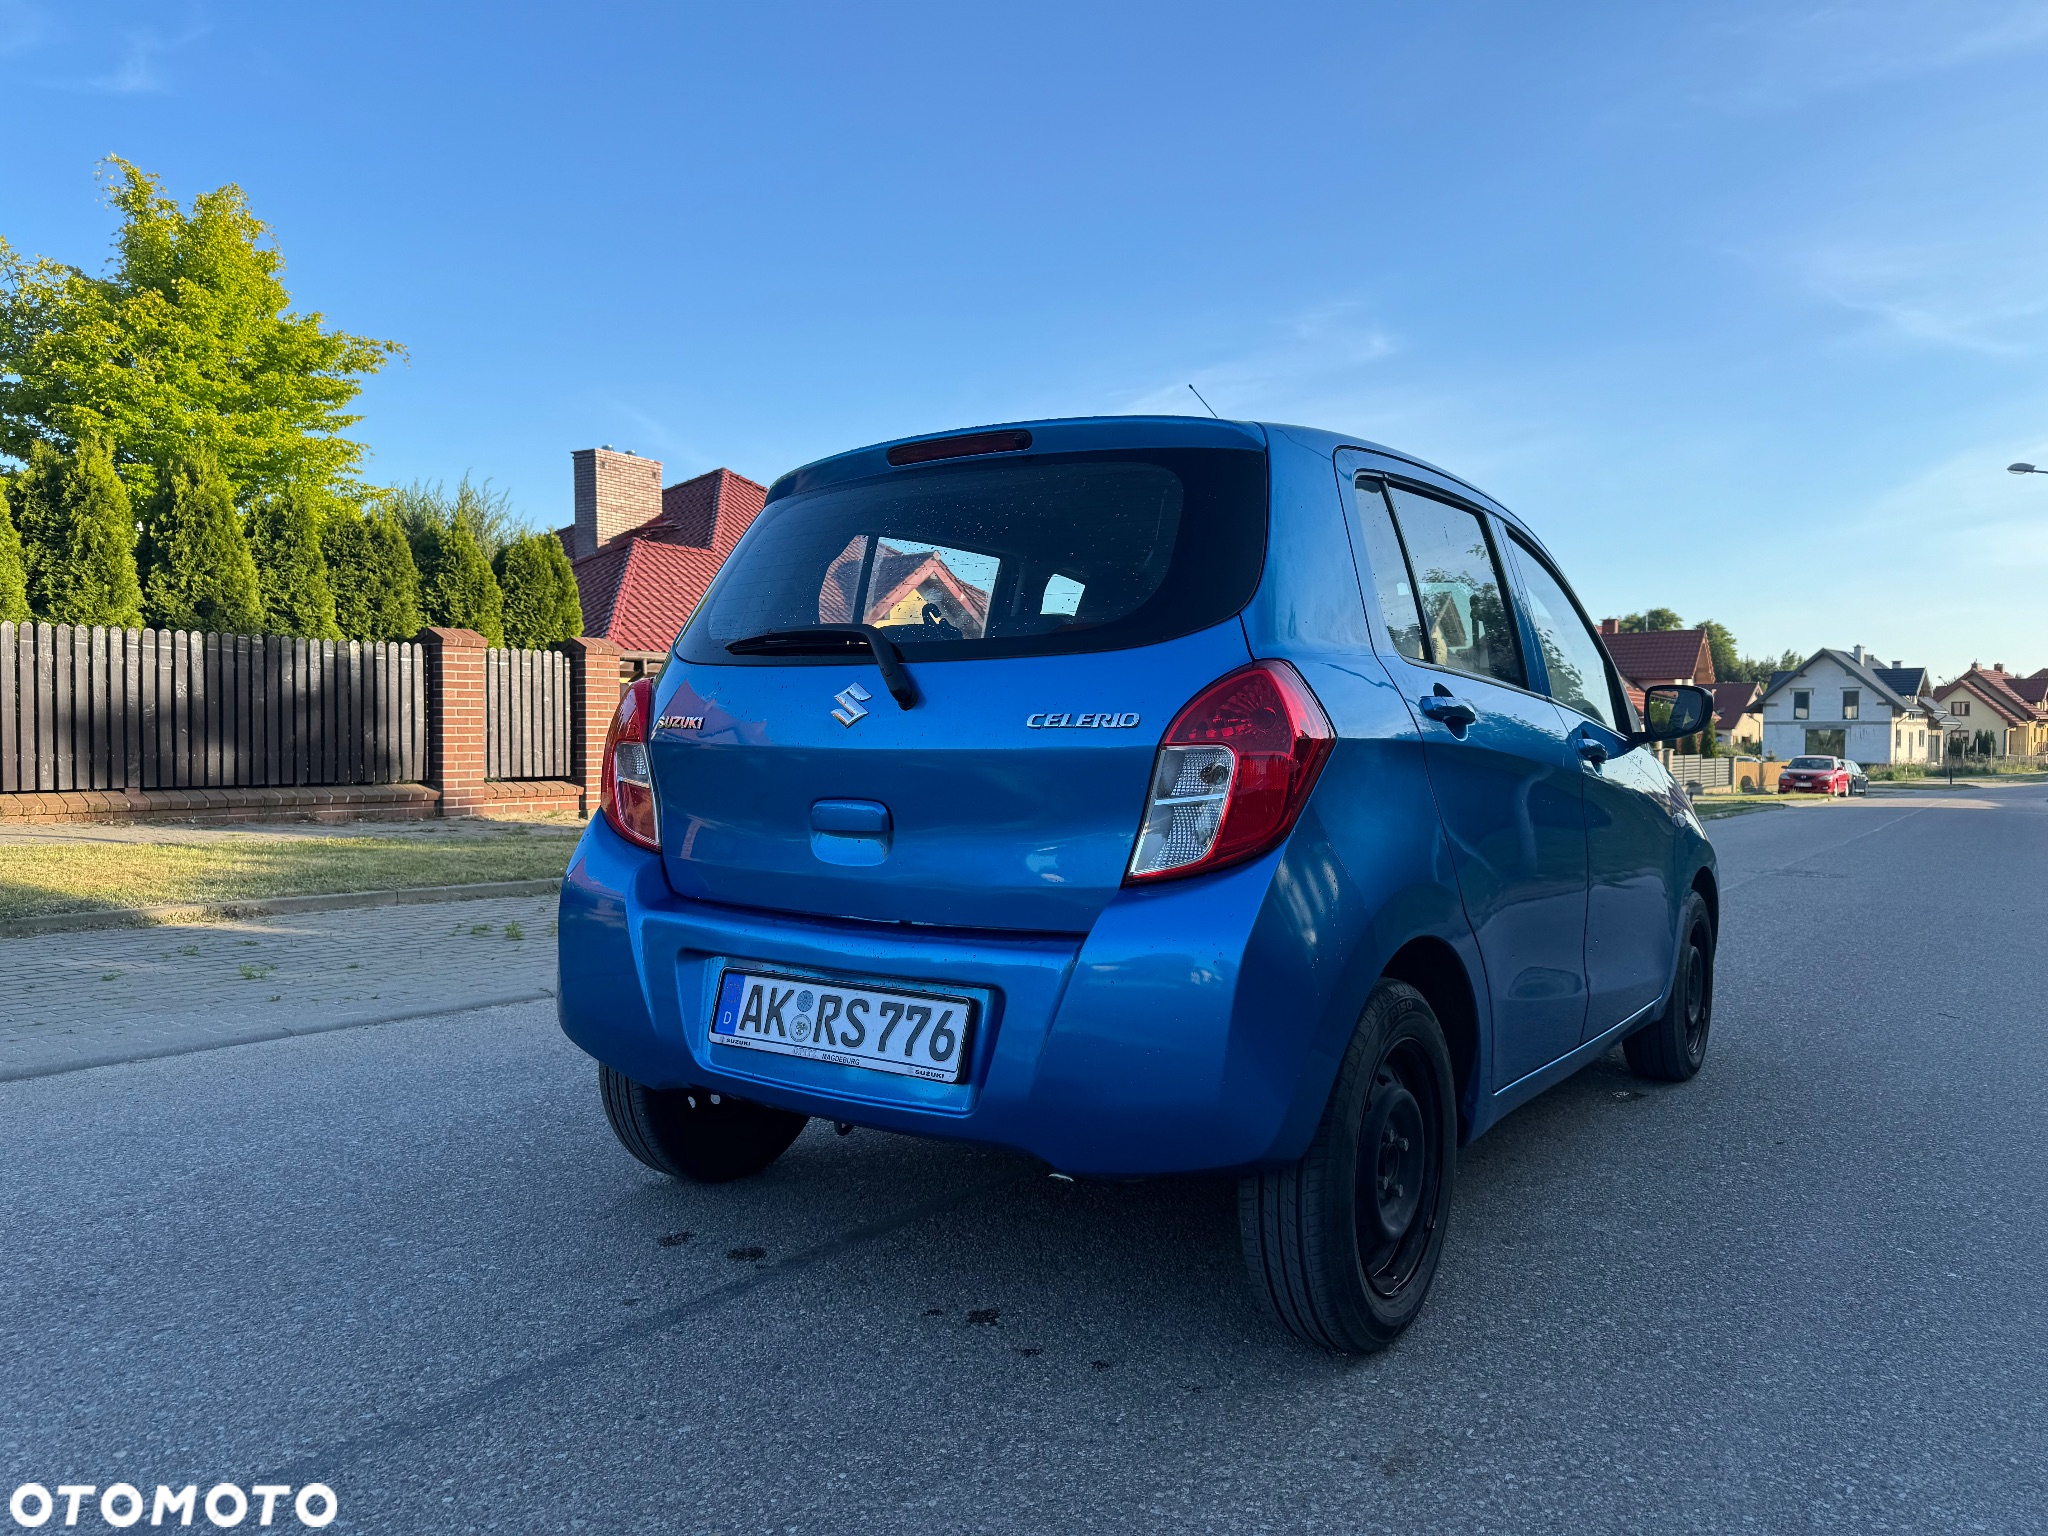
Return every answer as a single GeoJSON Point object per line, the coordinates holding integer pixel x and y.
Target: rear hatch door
{"type": "Point", "coordinates": [1052, 606]}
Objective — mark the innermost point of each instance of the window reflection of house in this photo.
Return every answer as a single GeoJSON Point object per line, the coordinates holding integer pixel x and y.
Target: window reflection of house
{"type": "Point", "coordinates": [904, 586]}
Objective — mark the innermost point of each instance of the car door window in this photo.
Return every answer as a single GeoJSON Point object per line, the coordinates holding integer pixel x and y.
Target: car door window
{"type": "Point", "coordinates": [1573, 658]}
{"type": "Point", "coordinates": [1466, 623]}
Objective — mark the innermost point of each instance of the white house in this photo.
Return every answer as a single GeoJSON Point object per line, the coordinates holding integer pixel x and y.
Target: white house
{"type": "Point", "coordinates": [1844, 704]}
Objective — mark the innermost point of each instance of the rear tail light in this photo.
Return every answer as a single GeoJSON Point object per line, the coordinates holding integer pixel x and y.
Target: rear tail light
{"type": "Point", "coordinates": [1233, 772]}
{"type": "Point", "coordinates": [626, 785]}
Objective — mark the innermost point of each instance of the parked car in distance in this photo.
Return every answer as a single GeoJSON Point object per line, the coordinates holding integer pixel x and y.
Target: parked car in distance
{"type": "Point", "coordinates": [1149, 795]}
{"type": "Point", "coordinates": [1859, 781]}
{"type": "Point", "coordinates": [1814, 775]}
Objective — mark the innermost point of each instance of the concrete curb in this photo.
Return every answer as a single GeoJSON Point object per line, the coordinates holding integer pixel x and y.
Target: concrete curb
{"type": "Point", "coordinates": [270, 906]}
{"type": "Point", "coordinates": [115, 1058]}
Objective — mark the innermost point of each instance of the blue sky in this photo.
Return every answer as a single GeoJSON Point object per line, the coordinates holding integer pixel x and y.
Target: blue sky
{"type": "Point", "coordinates": [1744, 306]}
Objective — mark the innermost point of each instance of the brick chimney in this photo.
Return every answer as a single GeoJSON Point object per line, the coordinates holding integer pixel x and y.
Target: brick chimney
{"type": "Point", "coordinates": [614, 491]}
{"type": "Point", "coordinates": [1610, 626]}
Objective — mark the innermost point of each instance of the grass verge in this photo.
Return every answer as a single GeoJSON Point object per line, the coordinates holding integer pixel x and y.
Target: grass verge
{"type": "Point", "coordinates": [52, 877]}
{"type": "Point", "coordinates": [1716, 809]}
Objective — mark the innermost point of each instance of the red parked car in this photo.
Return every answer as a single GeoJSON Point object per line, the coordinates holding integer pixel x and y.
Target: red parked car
{"type": "Point", "coordinates": [1815, 776]}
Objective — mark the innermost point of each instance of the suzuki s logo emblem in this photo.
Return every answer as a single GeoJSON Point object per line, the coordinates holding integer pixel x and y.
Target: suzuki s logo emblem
{"type": "Point", "coordinates": [849, 702]}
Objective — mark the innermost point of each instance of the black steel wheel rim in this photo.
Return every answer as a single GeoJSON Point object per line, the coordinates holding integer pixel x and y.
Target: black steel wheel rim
{"type": "Point", "coordinates": [1400, 1169]}
{"type": "Point", "coordinates": [1699, 997]}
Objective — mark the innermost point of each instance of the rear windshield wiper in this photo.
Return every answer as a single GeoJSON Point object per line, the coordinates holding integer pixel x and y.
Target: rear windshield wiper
{"type": "Point", "coordinates": [832, 640]}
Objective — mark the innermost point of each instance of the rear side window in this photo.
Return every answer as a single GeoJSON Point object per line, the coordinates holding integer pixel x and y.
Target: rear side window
{"type": "Point", "coordinates": [1389, 570]}
{"type": "Point", "coordinates": [1030, 556]}
{"type": "Point", "coordinates": [1457, 596]}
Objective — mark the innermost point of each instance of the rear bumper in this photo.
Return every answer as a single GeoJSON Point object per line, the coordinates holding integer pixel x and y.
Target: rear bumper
{"type": "Point", "coordinates": [1190, 1030]}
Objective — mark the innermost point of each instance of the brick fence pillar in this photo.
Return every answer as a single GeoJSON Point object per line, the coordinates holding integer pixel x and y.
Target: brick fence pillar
{"type": "Point", "coordinates": [455, 718]}
{"type": "Point", "coordinates": [593, 700]}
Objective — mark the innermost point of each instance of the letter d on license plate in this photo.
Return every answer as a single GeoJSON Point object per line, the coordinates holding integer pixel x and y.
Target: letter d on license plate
{"type": "Point", "coordinates": [913, 1034]}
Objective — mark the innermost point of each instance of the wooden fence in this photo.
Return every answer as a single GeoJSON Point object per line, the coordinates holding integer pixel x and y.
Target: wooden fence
{"type": "Point", "coordinates": [526, 715]}
{"type": "Point", "coordinates": [91, 708]}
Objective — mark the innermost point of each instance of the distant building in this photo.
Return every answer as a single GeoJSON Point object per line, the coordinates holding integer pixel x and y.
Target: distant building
{"type": "Point", "coordinates": [643, 553]}
{"type": "Point", "coordinates": [1844, 704]}
{"type": "Point", "coordinates": [1648, 657]}
{"type": "Point", "coordinates": [2011, 710]}
{"type": "Point", "coordinates": [1738, 715]}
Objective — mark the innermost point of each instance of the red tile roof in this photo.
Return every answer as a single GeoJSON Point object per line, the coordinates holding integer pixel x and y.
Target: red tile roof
{"type": "Point", "coordinates": [1732, 701]}
{"type": "Point", "coordinates": [641, 588]}
{"type": "Point", "coordinates": [637, 593]}
{"type": "Point", "coordinates": [2031, 690]}
{"type": "Point", "coordinates": [709, 512]}
{"type": "Point", "coordinates": [1980, 687]}
{"type": "Point", "coordinates": [1662, 656]}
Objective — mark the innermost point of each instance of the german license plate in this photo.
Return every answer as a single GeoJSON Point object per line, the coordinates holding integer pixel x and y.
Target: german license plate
{"type": "Point", "coordinates": [913, 1034]}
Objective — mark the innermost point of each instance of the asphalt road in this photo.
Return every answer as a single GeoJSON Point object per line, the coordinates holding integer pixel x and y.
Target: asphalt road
{"type": "Point", "coordinates": [1802, 1293]}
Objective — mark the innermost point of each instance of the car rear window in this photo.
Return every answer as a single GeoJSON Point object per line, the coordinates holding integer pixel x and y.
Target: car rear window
{"type": "Point", "coordinates": [1033, 555]}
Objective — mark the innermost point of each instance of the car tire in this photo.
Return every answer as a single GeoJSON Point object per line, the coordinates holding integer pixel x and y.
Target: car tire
{"type": "Point", "coordinates": [691, 1133]}
{"type": "Point", "coordinates": [1343, 1250]}
{"type": "Point", "coordinates": [1673, 1046]}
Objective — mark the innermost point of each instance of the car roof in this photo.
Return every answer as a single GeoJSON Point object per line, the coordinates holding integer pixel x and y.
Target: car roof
{"type": "Point", "coordinates": [1070, 433]}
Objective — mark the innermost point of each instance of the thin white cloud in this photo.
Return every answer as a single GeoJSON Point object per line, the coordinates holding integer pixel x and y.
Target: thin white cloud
{"type": "Point", "coordinates": [1307, 355]}
{"type": "Point", "coordinates": [1986, 295]}
{"type": "Point", "coordinates": [1780, 56]}
{"type": "Point", "coordinates": [140, 70]}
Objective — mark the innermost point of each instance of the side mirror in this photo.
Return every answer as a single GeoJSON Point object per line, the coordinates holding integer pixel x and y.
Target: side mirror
{"type": "Point", "coordinates": [1672, 710]}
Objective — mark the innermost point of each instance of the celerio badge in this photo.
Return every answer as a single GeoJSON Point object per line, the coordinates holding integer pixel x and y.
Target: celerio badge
{"type": "Point", "coordinates": [1109, 720]}
{"type": "Point", "coordinates": [849, 702]}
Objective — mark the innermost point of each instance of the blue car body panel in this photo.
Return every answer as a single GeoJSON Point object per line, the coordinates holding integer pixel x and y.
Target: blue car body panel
{"type": "Point", "coordinates": [1192, 1024]}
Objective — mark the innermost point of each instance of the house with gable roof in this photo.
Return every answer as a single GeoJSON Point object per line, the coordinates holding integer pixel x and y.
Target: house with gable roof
{"type": "Point", "coordinates": [2011, 710]}
{"type": "Point", "coordinates": [1845, 704]}
{"type": "Point", "coordinates": [1648, 657]}
{"type": "Point", "coordinates": [644, 553]}
{"type": "Point", "coordinates": [1738, 719]}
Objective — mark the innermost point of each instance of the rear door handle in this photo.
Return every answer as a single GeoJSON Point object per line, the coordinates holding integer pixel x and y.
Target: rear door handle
{"type": "Point", "coordinates": [1447, 709]}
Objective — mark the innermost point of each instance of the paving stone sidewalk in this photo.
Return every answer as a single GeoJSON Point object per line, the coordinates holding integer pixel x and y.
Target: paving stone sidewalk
{"type": "Point", "coordinates": [85, 999]}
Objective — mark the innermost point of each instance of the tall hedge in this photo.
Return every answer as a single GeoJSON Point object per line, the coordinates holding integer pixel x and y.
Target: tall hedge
{"type": "Point", "coordinates": [457, 588]}
{"type": "Point", "coordinates": [200, 574]}
{"type": "Point", "coordinates": [291, 571]}
{"type": "Point", "coordinates": [541, 604]}
{"type": "Point", "coordinates": [13, 577]}
{"type": "Point", "coordinates": [370, 570]}
{"type": "Point", "coordinates": [78, 537]}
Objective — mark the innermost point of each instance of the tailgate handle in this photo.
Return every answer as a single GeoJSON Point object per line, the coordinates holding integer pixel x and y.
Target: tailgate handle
{"type": "Point", "coordinates": [861, 818]}
{"type": "Point", "coordinates": [1446, 709]}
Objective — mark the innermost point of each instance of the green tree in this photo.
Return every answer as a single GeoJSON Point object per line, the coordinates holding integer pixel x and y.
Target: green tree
{"type": "Point", "coordinates": [541, 603]}
{"type": "Point", "coordinates": [1728, 665]}
{"type": "Point", "coordinates": [370, 569]}
{"type": "Point", "coordinates": [13, 576]}
{"type": "Point", "coordinates": [200, 572]}
{"type": "Point", "coordinates": [487, 511]}
{"type": "Point", "coordinates": [457, 589]}
{"type": "Point", "coordinates": [78, 537]}
{"type": "Point", "coordinates": [291, 571]}
{"type": "Point", "coordinates": [1656, 620]}
{"type": "Point", "coordinates": [186, 341]}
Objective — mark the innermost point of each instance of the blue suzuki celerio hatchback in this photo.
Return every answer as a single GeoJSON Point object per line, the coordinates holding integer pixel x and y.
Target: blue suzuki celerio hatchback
{"type": "Point", "coordinates": [1149, 795]}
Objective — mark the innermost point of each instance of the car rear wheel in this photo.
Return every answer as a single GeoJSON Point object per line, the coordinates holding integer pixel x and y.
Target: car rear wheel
{"type": "Point", "coordinates": [1343, 1244]}
{"type": "Point", "coordinates": [1673, 1047]}
{"type": "Point", "coordinates": [690, 1133]}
